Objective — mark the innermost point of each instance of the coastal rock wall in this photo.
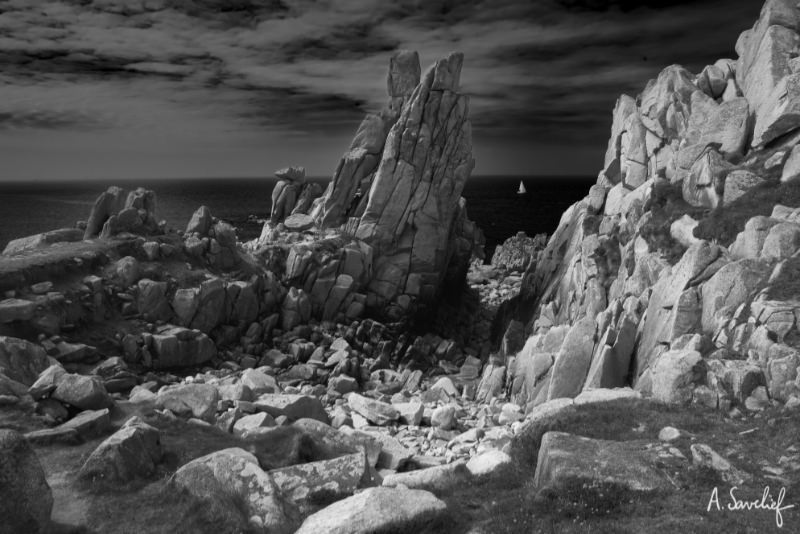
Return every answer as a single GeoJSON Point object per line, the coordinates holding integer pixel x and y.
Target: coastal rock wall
{"type": "Point", "coordinates": [646, 271]}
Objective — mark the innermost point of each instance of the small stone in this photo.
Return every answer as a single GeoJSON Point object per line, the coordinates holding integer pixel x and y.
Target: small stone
{"type": "Point", "coordinates": [669, 433]}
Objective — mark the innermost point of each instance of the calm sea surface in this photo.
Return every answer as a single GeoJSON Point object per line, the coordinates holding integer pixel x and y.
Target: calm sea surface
{"type": "Point", "coordinates": [492, 201]}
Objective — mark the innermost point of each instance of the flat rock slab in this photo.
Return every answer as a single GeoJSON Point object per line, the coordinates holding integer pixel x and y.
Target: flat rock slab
{"type": "Point", "coordinates": [339, 476]}
{"type": "Point", "coordinates": [292, 406]}
{"type": "Point", "coordinates": [439, 478]}
{"type": "Point", "coordinates": [565, 459]}
{"type": "Point", "coordinates": [376, 510]}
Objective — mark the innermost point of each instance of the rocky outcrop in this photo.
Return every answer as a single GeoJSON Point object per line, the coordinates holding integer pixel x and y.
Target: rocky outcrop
{"type": "Point", "coordinates": [631, 260]}
{"type": "Point", "coordinates": [117, 211]}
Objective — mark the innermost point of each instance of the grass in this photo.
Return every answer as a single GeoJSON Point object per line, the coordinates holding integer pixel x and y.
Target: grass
{"type": "Point", "coordinates": [724, 223]}
{"type": "Point", "coordinates": [666, 205]}
{"type": "Point", "coordinates": [508, 502]}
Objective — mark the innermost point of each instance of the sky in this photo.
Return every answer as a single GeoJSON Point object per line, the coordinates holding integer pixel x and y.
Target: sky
{"type": "Point", "coordinates": [125, 89]}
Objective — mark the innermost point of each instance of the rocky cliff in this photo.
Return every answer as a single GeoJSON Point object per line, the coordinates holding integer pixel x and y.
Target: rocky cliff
{"type": "Point", "coordinates": [672, 275]}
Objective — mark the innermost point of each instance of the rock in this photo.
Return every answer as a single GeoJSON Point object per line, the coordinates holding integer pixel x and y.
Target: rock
{"type": "Point", "coordinates": [594, 396]}
{"type": "Point", "coordinates": [491, 384]}
{"type": "Point", "coordinates": [131, 452]}
{"type": "Point", "coordinates": [189, 400]}
{"type": "Point", "coordinates": [410, 412]}
{"type": "Point", "coordinates": [738, 184]}
{"type": "Point", "coordinates": [21, 360]}
{"type": "Point", "coordinates": [669, 433]}
{"type": "Point", "coordinates": [43, 240]}
{"type": "Point", "coordinates": [782, 241]}
{"type": "Point", "coordinates": [488, 462]}
{"type": "Point", "coordinates": [573, 361]}
{"type": "Point", "coordinates": [250, 422]}
{"type": "Point", "coordinates": [84, 392]}
{"type": "Point", "coordinates": [26, 499]}
{"type": "Point", "coordinates": [682, 231]}
{"type": "Point", "coordinates": [292, 174]}
{"type": "Point", "coordinates": [258, 382]}
{"type": "Point", "coordinates": [152, 300]}
{"type": "Point", "coordinates": [107, 204]}
{"type": "Point", "coordinates": [292, 406]}
{"type": "Point", "coordinates": [88, 424]}
{"type": "Point", "coordinates": [379, 413]}
{"type": "Point", "coordinates": [298, 222]}
{"type": "Point", "coordinates": [705, 456]}
{"type": "Point", "coordinates": [445, 385]}
{"type": "Point", "coordinates": [444, 417]}
{"type": "Point", "coordinates": [16, 310]}
{"type": "Point", "coordinates": [732, 285]}
{"type": "Point", "coordinates": [201, 222]}
{"type": "Point", "coordinates": [175, 347]}
{"type": "Point", "coordinates": [674, 375]}
{"type": "Point", "coordinates": [376, 510]}
{"type": "Point", "coordinates": [414, 260]}
{"type": "Point", "coordinates": [750, 241]}
{"type": "Point", "coordinates": [436, 479]}
{"type": "Point", "coordinates": [304, 483]}
{"type": "Point", "coordinates": [394, 455]}
{"type": "Point", "coordinates": [565, 459]}
{"type": "Point", "coordinates": [517, 252]}
{"type": "Point", "coordinates": [127, 270]}
{"type": "Point", "coordinates": [231, 479]}
{"type": "Point", "coordinates": [343, 384]}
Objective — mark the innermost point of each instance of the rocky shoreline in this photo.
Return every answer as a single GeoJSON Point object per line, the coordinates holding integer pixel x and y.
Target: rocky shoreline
{"type": "Point", "coordinates": [360, 366]}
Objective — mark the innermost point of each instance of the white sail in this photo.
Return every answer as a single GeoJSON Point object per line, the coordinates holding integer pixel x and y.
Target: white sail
{"type": "Point", "coordinates": [522, 189]}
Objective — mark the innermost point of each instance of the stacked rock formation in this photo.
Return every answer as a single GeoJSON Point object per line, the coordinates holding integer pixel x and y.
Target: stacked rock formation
{"type": "Point", "coordinates": [395, 201]}
{"type": "Point", "coordinates": [117, 211]}
{"type": "Point", "coordinates": [346, 194]}
{"type": "Point", "coordinates": [631, 289]}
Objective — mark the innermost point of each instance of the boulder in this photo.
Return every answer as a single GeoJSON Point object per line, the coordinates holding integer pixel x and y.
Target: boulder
{"type": "Point", "coordinates": [436, 479]}
{"type": "Point", "coordinates": [750, 241]}
{"type": "Point", "coordinates": [21, 360]}
{"type": "Point", "coordinates": [303, 483]}
{"type": "Point", "coordinates": [175, 347]}
{"type": "Point", "coordinates": [376, 510]}
{"type": "Point", "coordinates": [248, 423]}
{"type": "Point", "coordinates": [675, 374]}
{"type": "Point", "coordinates": [782, 242]}
{"type": "Point", "coordinates": [573, 360]}
{"type": "Point", "coordinates": [231, 479]}
{"type": "Point", "coordinates": [292, 406]}
{"type": "Point", "coordinates": [107, 204]}
{"type": "Point", "coordinates": [16, 310]}
{"type": "Point", "coordinates": [84, 392]}
{"type": "Point", "coordinates": [379, 413]}
{"type": "Point", "coordinates": [259, 382]}
{"type": "Point", "coordinates": [26, 499]}
{"type": "Point", "coordinates": [131, 452]}
{"type": "Point", "coordinates": [201, 222]}
{"type": "Point", "coordinates": [488, 462]}
{"type": "Point", "coordinates": [152, 300]}
{"type": "Point", "coordinates": [738, 183]}
{"type": "Point", "coordinates": [565, 459]}
{"type": "Point", "coordinates": [298, 222]}
{"type": "Point", "coordinates": [189, 400]}
{"type": "Point", "coordinates": [731, 286]}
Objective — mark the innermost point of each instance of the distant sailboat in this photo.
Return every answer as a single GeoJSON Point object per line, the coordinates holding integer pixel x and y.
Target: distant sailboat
{"type": "Point", "coordinates": [521, 190]}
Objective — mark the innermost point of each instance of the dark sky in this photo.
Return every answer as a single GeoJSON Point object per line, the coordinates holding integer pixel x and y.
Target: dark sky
{"type": "Point", "coordinates": [179, 88]}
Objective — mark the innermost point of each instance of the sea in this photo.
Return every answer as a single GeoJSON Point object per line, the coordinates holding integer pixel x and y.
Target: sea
{"type": "Point", "coordinates": [493, 202]}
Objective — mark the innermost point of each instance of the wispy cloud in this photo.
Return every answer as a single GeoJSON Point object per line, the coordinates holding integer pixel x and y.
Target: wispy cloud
{"type": "Point", "coordinates": [229, 71]}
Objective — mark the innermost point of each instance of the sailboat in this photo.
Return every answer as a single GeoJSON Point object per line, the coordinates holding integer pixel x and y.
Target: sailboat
{"type": "Point", "coordinates": [521, 190]}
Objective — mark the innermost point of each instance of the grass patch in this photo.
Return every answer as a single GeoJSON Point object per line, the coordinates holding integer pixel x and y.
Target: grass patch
{"type": "Point", "coordinates": [666, 205]}
{"type": "Point", "coordinates": [724, 223]}
{"type": "Point", "coordinates": [508, 503]}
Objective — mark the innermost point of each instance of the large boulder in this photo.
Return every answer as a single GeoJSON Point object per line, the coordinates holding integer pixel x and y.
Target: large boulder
{"type": "Point", "coordinates": [731, 286]}
{"type": "Point", "coordinates": [26, 500]}
{"type": "Point", "coordinates": [232, 480]}
{"type": "Point", "coordinates": [189, 400]}
{"type": "Point", "coordinates": [377, 510]}
{"type": "Point", "coordinates": [131, 452]}
{"type": "Point", "coordinates": [565, 459]}
{"type": "Point", "coordinates": [83, 392]}
{"type": "Point", "coordinates": [21, 360]}
{"type": "Point", "coordinates": [573, 361]}
{"type": "Point", "coordinates": [675, 374]}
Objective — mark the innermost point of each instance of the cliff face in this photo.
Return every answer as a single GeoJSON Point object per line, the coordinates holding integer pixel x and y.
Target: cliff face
{"type": "Point", "coordinates": [672, 275]}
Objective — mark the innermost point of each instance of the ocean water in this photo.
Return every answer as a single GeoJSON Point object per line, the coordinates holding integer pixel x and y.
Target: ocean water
{"type": "Point", "coordinates": [492, 202]}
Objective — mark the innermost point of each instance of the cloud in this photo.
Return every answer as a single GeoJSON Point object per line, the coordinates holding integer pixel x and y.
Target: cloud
{"type": "Point", "coordinates": [538, 72]}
